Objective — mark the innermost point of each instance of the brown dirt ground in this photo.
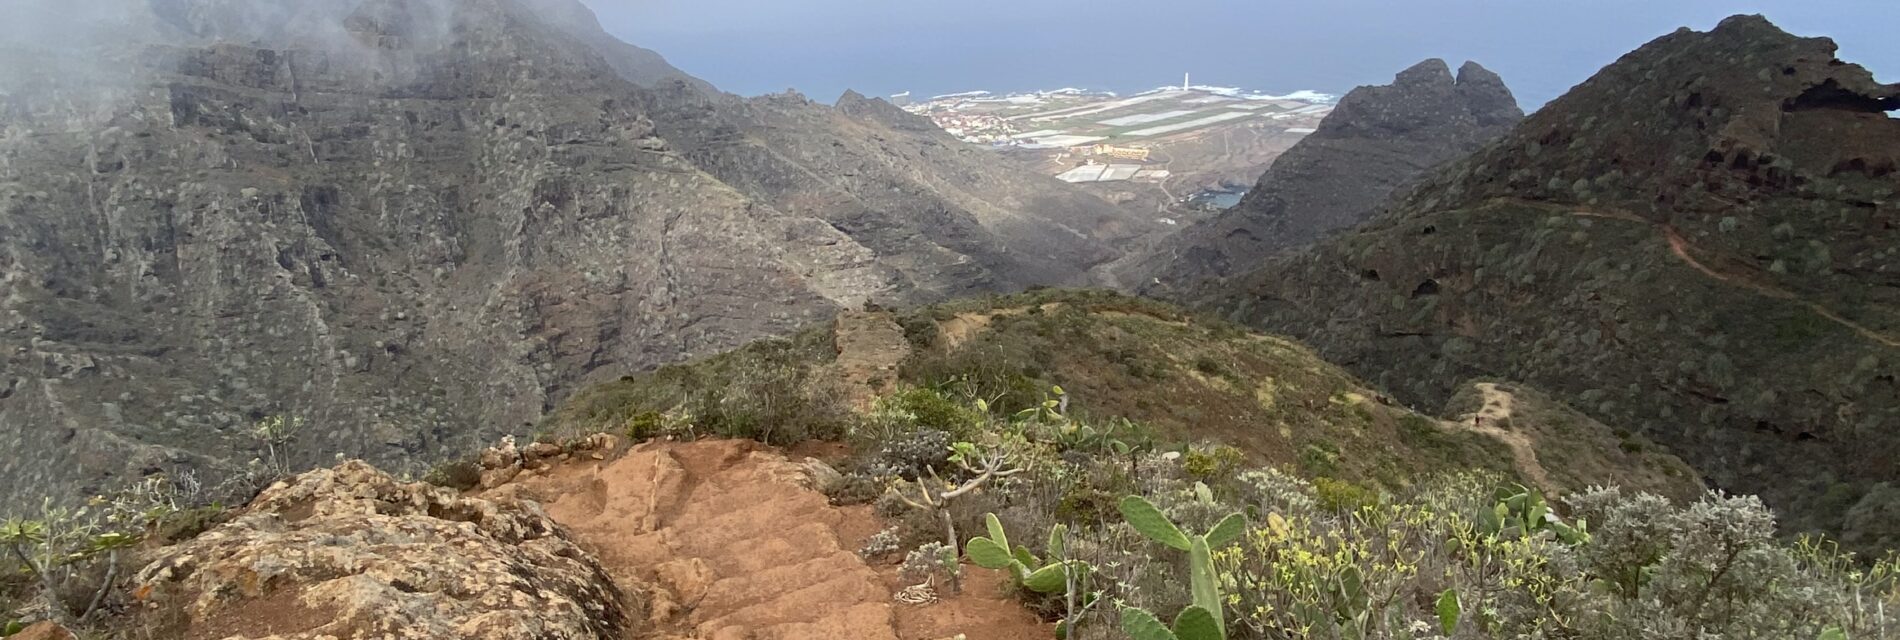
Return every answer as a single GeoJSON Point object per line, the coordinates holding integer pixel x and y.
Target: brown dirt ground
{"type": "Point", "coordinates": [1499, 406]}
{"type": "Point", "coordinates": [278, 612]}
{"type": "Point", "coordinates": [43, 631]}
{"type": "Point", "coordinates": [963, 326]}
{"type": "Point", "coordinates": [728, 543]}
{"type": "Point", "coordinates": [871, 345]}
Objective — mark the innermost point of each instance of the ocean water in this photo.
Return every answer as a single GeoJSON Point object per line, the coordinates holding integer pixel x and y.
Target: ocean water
{"type": "Point", "coordinates": [822, 47]}
{"type": "Point", "coordinates": [1217, 199]}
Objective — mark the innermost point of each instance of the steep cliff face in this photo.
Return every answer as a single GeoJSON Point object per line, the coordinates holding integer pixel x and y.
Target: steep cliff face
{"type": "Point", "coordinates": [1377, 139]}
{"type": "Point", "coordinates": [1701, 242]}
{"type": "Point", "coordinates": [412, 224]}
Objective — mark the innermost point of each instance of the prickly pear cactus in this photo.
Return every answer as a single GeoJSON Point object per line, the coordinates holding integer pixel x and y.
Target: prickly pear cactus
{"type": "Point", "coordinates": [1202, 579]}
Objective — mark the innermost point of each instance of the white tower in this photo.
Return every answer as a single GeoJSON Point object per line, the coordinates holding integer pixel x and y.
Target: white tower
{"type": "Point", "coordinates": [1185, 85]}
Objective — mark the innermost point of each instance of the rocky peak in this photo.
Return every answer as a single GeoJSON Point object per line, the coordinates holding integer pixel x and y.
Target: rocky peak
{"type": "Point", "coordinates": [1489, 100]}
{"type": "Point", "coordinates": [1378, 138]}
{"type": "Point", "coordinates": [788, 97]}
{"type": "Point", "coordinates": [1425, 100]}
{"type": "Point", "coordinates": [1431, 72]}
{"type": "Point", "coordinates": [1475, 76]}
{"type": "Point", "coordinates": [1701, 121]}
{"type": "Point", "coordinates": [856, 105]}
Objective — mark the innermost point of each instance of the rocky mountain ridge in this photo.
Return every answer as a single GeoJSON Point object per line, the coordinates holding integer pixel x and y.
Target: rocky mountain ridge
{"type": "Point", "coordinates": [413, 225]}
{"type": "Point", "coordinates": [1698, 243]}
{"type": "Point", "coordinates": [1378, 138]}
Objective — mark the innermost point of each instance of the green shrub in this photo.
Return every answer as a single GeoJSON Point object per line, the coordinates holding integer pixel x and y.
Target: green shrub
{"type": "Point", "coordinates": [645, 426]}
{"type": "Point", "coordinates": [461, 474]}
{"type": "Point", "coordinates": [185, 524]}
{"type": "Point", "coordinates": [1649, 569]}
{"type": "Point", "coordinates": [998, 366]}
{"type": "Point", "coordinates": [854, 489]}
{"type": "Point", "coordinates": [1212, 367]}
{"type": "Point", "coordinates": [767, 390]}
{"type": "Point", "coordinates": [1212, 464]}
{"type": "Point", "coordinates": [1085, 503]}
{"type": "Point", "coordinates": [76, 556]}
{"type": "Point", "coordinates": [930, 409]}
{"type": "Point", "coordinates": [919, 329]}
{"type": "Point", "coordinates": [1320, 459]}
{"type": "Point", "coordinates": [772, 402]}
{"type": "Point", "coordinates": [1343, 496]}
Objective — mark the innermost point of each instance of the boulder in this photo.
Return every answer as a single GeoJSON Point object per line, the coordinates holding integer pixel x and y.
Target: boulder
{"type": "Point", "coordinates": [350, 552]}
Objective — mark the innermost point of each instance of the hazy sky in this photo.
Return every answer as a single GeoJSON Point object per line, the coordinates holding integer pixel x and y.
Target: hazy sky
{"type": "Point", "coordinates": [880, 47]}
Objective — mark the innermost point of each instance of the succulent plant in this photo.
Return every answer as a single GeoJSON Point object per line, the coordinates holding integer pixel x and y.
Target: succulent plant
{"type": "Point", "coordinates": [1193, 623]}
{"type": "Point", "coordinates": [1150, 522]}
{"type": "Point", "coordinates": [995, 552]}
{"type": "Point", "coordinates": [1522, 512]}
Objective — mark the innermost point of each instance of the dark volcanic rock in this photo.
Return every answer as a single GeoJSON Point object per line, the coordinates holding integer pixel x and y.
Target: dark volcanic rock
{"type": "Point", "coordinates": [1378, 138]}
{"type": "Point", "coordinates": [1701, 242]}
{"type": "Point", "coordinates": [416, 224]}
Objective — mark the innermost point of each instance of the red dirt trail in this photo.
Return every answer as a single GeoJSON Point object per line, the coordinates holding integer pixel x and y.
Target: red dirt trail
{"type": "Point", "coordinates": [728, 543]}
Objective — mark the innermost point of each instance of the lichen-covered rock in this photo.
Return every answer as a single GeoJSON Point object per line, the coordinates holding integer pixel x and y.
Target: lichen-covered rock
{"type": "Point", "coordinates": [350, 552]}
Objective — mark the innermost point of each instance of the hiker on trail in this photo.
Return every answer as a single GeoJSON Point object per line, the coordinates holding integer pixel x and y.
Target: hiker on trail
{"type": "Point", "coordinates": [1477, 422]}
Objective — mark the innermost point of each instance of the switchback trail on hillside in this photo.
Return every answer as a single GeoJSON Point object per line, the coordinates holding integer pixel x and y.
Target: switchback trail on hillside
{"type": "Point", "coordinates": [1686, 252]}
{"type": "Point", "coordinates": [1498, 408]}
{"type": "Point", "coordinates": [724, 540]}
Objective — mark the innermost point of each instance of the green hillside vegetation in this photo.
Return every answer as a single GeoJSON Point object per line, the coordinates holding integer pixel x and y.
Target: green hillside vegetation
{"type": "Point", "coordinates": [1184, 378]}
{"type": "Point", "coordinates": [1146, 477]}
{"type": "Point", "coordinates": [1356, 519]}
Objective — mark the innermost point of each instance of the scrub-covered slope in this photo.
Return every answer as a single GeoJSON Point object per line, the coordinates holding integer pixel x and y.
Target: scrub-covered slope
{"type": "Point", "coordinates": [1700, 244]}
{"type": "Point", "coordinates": [1184, 378]}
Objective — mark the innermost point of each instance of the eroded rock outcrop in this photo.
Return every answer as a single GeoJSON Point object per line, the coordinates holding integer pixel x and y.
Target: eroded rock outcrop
{"type": "Point", "coordinates": [1701, 244]}
{"type": "Point", "coordinates": [350, 552]}
{"type": "Point", "coordinates": [1377, 139]}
